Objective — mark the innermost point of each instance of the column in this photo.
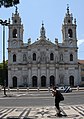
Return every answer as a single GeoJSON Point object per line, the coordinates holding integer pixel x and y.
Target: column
{"type": "Point", "coordinates": [57, 75]}
{"type": "Point", "coordinates": [39, 78]}
{"type": "Point", "coordinates": [47, 78]}
{"type": "Point", "coordinates": [29, 76]}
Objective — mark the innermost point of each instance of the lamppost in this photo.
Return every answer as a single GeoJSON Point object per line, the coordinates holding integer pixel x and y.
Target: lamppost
{"type": "Point", "coordinates": [4, 23]}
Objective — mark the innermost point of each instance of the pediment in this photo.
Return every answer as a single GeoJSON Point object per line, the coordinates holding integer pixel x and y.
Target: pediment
{"type": "Point", "coordinates": [43, 42]}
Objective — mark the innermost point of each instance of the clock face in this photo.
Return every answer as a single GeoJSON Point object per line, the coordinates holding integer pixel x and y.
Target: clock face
{"type": "Point", "coordinates": [14, 43]}
{"type": "Point", "coordinates": [70, 42]}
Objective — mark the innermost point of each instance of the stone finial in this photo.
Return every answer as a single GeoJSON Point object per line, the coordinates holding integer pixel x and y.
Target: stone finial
{"type": "Point", "coordinates": [42, 31]}
{"type": "Point", "coordinates": [9, 20]}
{"type": "Point", "coordinates": [16, 11]}
{"type": "Point", "coordinates": [75, 21]}
{"type": "Point", "coordinates": [56, 41]}
{"type": "Point", "coordinates": [67, 8]}
{"type": "Point", "coordinates": [29, 41]}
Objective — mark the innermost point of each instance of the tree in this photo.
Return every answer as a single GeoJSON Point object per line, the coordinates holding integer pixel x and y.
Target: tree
{"type": "Point", "coordinates": [8, 3]}
{"type": "Point", "coordinates": [1, 73]}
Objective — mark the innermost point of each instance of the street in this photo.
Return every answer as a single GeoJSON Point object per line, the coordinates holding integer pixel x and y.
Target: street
{"type": "Point", "coordinates": [40, 105]}
{"type": "Point", "coordinates": [40, 99]}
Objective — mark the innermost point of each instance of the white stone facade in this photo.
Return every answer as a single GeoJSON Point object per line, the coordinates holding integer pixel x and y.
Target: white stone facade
{"type": "Point", "coordinates": [42, 63]}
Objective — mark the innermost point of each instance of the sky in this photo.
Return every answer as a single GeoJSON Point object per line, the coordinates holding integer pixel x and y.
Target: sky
{"type": "Point", "coordinates": [52, 13]}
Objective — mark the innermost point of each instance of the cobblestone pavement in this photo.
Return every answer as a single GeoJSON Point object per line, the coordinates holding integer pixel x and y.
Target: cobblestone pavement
{"type": "Point", "coordinates": [68, 112]}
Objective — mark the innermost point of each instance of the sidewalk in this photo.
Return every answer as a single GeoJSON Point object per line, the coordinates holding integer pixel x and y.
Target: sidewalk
{"type": "Point", "coordinates": [72, 112]}
{"type": "Point", "coordinates": [14, 93]}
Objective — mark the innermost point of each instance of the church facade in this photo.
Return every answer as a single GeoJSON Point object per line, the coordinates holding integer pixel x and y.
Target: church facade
{"type": "Point", "coordinates": [43, 63]}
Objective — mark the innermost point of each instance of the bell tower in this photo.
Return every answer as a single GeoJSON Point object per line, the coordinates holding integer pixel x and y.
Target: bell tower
{"type": "Point", "coordinates": [15, 31]}
{"type": "Point", "coordinates": [69, 30]}
{"type": "Point", "coordinates": [69, 38]}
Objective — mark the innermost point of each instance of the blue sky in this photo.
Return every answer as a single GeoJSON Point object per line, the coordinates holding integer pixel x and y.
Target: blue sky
{"type": "Point", "coordinates": [52, 13]}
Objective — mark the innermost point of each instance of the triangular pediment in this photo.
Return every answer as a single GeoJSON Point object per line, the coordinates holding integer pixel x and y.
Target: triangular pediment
{"type": "Point", "coordinates": [43, 42]}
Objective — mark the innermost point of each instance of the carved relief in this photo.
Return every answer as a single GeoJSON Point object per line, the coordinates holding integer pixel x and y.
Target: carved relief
{"type": "Point", "coordinates": [61, 57]}
{"type": "Point", "coordinates": [29, 58]}
{"type": "Point", "coordinates": [56, 59]}
{"type": "Point", "coordinates": [47, 59]}
{"type": "Point", "coordinates": [43, 56]}
{"type": "Point", "coordinates": [39, 59]}
{"type": "Point", "coordinates": [25, 80]}
{"type": "Point", "coordinates": [61, 77]}
{"type": "Point", "coordinates": [24, 57]}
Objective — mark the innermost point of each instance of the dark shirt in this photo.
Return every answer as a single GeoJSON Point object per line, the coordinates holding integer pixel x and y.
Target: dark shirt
{"type": "Point", "coordinates": [57, 96]}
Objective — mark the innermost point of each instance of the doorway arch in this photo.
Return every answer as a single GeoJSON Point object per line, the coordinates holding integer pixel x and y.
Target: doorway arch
{"type": "Point", "coordinates": [43, 81]}
{"type": "Point", "coordinates": [14, 81]}
{"type": "Point", "coordinates": [34, 81]}
{"type": "Point", "coordinates": [52, 81]}
{"type": "Point", "coordinates": [71, 80]}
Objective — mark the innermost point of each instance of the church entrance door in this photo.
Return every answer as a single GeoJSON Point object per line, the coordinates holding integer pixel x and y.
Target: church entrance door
{"type": "Point", "coordinates": [52, 81]}
{"type": "Point", "coordinates": [43, 81]}
{"type": "Point", "coordinates": [71, 81]}
{"type": "Point", "coordinates": [14, 81]}
{"type": "Point", "coordinates": [34, 81]}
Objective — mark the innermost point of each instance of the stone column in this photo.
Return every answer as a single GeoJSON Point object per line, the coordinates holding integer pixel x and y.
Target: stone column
{"type": "Point", "coordinates": [39, 78]}
{"type": "Point", "coordinates": [10, 80]}
{"type": "Point", "coordinates": [29, 76]}
{"type": "Point", "coordinates": [56, 75]}
{"type": "Point", "coordinates": [47, 74]}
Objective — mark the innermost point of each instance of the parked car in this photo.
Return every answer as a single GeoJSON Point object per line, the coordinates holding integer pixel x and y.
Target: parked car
{"type": "Point", "coordinates": [65, 89]}
{"type": "Point", "coordinates": [61, 89]}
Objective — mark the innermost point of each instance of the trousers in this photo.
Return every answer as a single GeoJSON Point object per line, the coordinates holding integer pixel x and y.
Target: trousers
{"type": "Point", "coordinates": [57, 106]}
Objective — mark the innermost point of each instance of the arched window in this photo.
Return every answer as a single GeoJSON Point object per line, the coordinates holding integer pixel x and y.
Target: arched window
{"type": "Point", "coordinates": [14, 58]}
{"type": "Point", "coordinates": [71, 57]}
{"type": "Point", "coordinates": [34, 56]}
{"type": "Point", "coordinates": [51, 56]}
{"type": "Point", "coordinates": [15, 33]}
{"type": "Point", "coordinates": [70, 33]}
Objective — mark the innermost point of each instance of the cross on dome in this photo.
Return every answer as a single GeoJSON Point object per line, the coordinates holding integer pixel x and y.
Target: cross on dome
{"type": "Point", "coordinates": [67, 8]}
{"type": "Point", "coordinates": [16, 11]}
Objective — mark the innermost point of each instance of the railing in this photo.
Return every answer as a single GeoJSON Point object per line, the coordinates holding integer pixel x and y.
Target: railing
{"type": "Point", "coordinates": [28, 89]}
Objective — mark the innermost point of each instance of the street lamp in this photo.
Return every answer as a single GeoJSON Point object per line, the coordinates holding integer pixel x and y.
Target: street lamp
{"type": "Point", "coordinates": [4, 23]}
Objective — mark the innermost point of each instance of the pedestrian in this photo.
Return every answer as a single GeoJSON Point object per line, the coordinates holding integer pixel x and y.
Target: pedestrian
{"type": "Point", "coordinates": [58, 97]}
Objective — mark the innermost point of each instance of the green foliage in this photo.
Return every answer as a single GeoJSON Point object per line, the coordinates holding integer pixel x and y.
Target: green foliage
{"type": "Point", "coordinates": [2, 72]}
{"type": "Point", "coordinates": [1, 65]}
{"type": "Point", "coordinates": [8, 3]}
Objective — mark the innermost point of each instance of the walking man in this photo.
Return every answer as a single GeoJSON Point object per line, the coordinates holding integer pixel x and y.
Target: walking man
{"type": "Point", "coordinates": [58, 97]}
